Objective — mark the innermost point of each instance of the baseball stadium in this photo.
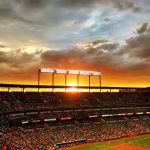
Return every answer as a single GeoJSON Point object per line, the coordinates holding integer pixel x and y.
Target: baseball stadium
{"type": "Point", "coordinates": [74, 74]}
{"type": "Point", "coordinates": [74, 117]}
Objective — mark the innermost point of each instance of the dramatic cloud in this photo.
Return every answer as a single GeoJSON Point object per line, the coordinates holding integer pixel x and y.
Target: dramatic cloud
{"type": "Point", "coordinates": [33, 4]}
{"type": "Point", "coordinates": [139, 46]}
{"type": "Point", "coordinates": [111, 36]}
{"type": "Point", "coordinates": [17, 60]}
{"type": "Point", "coordinates": [124, 4]}
{"type": "Point", "coordinates": [9, 15]}
{"type": "Point", "coordinates": [145, 27]}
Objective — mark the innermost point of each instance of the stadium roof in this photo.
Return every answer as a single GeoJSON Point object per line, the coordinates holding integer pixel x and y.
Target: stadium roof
{"type": "Point", "coordinates": [82, 87]}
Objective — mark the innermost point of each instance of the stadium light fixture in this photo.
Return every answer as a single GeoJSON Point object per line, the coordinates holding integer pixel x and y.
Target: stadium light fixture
{"type": "Point", "coordinates": [66, 72]}
{"type": "Point", "coordinates": [61, 71]}
{"type": "Point", "coordinates": [74, 72]}
{"type": "Point", "coordinates": [47, 70]}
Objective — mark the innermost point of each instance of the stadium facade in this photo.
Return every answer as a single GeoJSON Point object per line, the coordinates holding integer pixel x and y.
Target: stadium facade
{"type": "Point", "coordinates": [52, 119]}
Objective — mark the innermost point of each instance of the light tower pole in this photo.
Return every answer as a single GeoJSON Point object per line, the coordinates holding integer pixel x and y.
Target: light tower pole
{"type": "Point", "coordinates": [39, 72]}
{"type": "Point", "coordinates": [65, 82]}
{"type": "Point", "coordinates": [89, 83]}
{"type": "Point", "coordinates": [78, 75]}
{"type": "Point", "coordinates": [100, 82]}
{"type": "Point", "coordinates": [53, 79]}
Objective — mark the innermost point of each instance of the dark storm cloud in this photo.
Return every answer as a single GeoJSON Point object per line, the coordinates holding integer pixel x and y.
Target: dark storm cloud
{"type": "Point", "coordinates": [24, 4]}
{"type": "Point", "coordinates": [33, 4]}
{"type": "Point", "coordinates": [119, 4]}
{"type": "Point", "coordinates": [94, 51]}
{"type": "Point", "coordinates": [39, 4]}
{"type": "Point", "coordinates": [99, 41]}
{"type": "Point", "coordinates": [91, 50]}
{"type": "Point", "coordinates": [9, 15]}
{"type": "Point", "coordinates": [52, 55]}
{"type": "Point", "coordinates": [16, 58]}
{"type": "Point", "coordinates": [97, 47]}
{"type": "Point", "coordinates": [109, 46]}
{"type": "Point", "coordinates": [145, 27]}
{"type": "Point", "coordinates": [55, 56]}
{"type": "Point", "coordinates": [91, 55]}
{"type": "Point", "coordinates": [122, 5]}
{"type": "Point", "coordinates": [139, 46]}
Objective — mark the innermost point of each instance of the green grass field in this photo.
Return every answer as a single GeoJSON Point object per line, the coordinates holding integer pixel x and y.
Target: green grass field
{"type": "Point", "coordinates": [142, 141]}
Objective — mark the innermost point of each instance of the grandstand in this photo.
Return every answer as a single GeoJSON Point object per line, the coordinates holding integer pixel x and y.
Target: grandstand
{"type": "Point", "coordinates": [41, 118]}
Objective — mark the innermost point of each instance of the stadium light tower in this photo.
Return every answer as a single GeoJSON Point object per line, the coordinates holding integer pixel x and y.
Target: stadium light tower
{"type": "Point", "coordinates": [78, 75]}
{"type": "Point", "coordinates": [45, 70]}
{"type": "Point", "coordinates": [39, 72]}
{"type": "Point", "coordinates": [100, 82]}
{"type": "Point", "coordinates": [66, 72]}
{"type": "Point", "coordinates": [65, 81]}
{"type": "Point", "coordinates": [53, 80]}
{"type": "Point", "coordinates": [89, 83]}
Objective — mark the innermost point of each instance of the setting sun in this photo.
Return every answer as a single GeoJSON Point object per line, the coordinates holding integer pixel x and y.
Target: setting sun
{"type": "Point", "coordinates": [73, 89]}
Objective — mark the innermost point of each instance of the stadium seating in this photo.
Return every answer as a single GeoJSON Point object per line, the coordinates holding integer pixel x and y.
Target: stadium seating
{"type": "Point", "coordinates": [88, 113]}
{"type": "Point", "coordinates": [13, 101]}
{"type": "Point", "coordinates": [46, 136]}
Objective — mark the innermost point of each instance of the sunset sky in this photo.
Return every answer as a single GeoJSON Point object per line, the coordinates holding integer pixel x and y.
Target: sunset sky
{"type": "Point", "coordinates": [110, 36]}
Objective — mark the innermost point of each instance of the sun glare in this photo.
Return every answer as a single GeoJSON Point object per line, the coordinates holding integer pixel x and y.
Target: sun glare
{"type": "Point", "coordinates": [73, 89]}
{"type": "Point", "coordinates": [72, 83]}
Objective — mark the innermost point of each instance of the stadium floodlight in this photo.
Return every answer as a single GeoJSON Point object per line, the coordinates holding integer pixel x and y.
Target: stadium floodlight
{"type": "Point", "coordinates": [75, 72]}
{"type": "Point", "coordinates": [95, 73]}
{"type": "Point", "coordinates": [61, 71]}
{"type": "Point", "coordinates": [84, 72]}
{"type": "Point", "coordinates": [67, 72]}
{"type": "Point", "coordinates": [47, 70]}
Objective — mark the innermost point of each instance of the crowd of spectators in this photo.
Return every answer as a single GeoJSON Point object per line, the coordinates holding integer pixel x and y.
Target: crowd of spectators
{"type": "Point", "coordinates": [47, 137]}
{"type": "Point", "coordinates": [77, 106]}
{"type": "Point", "coordinates": [13, 101]}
